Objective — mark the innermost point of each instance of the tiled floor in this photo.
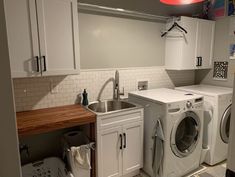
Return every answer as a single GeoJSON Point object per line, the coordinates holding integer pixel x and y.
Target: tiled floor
{"type": "Point", "coordinates": [205, 171]}
{"type": "Point", "coordinates": [208, 171]}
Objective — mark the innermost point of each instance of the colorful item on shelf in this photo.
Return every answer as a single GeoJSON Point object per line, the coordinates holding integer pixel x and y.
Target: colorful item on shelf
{"type": "Point", "coordinates": [216, 9]}
{"type": "Point", "coordinates": [231, 7]}
{"type": "Point", "coordinates": [206, 9]}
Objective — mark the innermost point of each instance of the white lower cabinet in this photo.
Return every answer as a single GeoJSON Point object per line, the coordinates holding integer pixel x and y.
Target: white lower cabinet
{"type": "Point", "coordinates": [132, 153]}
{"type": "Point", "coordinates": [120, 143]}
{"type": "Point", "coordinates": [110, 154]}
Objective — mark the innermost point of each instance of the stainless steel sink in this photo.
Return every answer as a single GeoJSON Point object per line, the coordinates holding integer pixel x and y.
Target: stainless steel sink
{"type": "Point", "coordinates": [109, 106]}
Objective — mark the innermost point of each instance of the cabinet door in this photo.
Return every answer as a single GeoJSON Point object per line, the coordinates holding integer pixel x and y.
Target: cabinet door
{"type": "Point", "coordinates": [132, 147]}
{"type": "Point", "coordinates": [205, 42]}
{"type": "Point", "coordinates": [189, 48]}
{"type": "Point", "coordinates": [22, 37]}
{"type": "Point", "coordinates": [58, 35]}
{"type": "Point", "coordinates": [180, 52]}
{"type": "Point", "coordinates": [109, 152]}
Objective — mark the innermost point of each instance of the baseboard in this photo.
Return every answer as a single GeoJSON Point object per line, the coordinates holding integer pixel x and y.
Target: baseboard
{"type": "Point", "coordinates": [230, 173]}
{"type": "Point", "coordinates": [134, 173]}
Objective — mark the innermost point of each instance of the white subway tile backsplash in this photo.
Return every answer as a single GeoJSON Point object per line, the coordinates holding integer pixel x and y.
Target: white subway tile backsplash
{"type": "Point", "coordinates": [35, 93]}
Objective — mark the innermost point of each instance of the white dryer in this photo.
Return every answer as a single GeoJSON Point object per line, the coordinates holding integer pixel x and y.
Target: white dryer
{"type": "Point", "coordinates": [173, 122]}
{"type": "Point", "coordinates": [217, 106]}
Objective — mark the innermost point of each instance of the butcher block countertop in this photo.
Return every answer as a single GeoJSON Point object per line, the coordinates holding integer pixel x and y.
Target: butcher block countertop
{"type": "Point", "coordinates": [50, 119]}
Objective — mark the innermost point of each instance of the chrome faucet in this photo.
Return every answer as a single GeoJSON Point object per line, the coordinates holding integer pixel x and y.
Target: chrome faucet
{"type": "Point", "coordinates": [116, 90]}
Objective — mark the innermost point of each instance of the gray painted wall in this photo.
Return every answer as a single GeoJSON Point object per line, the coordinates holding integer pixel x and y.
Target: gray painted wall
{"type": "Point", "coordinates": [221, 53]}
{"type": "Point", "coordinates": [9, 157]}
{"type": "Point", "coordinates": [114, 42]}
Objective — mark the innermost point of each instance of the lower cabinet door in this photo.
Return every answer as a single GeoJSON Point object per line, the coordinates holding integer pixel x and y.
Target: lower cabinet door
{"type": "Point", "coordinates": [132, 147]}
{"type": "Point", "coordinates": [110, 152]}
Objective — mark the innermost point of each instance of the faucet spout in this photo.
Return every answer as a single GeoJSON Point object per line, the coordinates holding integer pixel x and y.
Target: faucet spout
{"type": "Point", "coordinates": [117, 79]}
{"type": "Point", "coordinates": [116, 90]}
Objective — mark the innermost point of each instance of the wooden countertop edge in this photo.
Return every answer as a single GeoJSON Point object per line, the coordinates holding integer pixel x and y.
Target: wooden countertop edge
{"type": "Point", "coordinates": [38, 121]}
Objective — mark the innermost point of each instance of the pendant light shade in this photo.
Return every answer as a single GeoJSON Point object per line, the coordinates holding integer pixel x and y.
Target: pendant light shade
{"type": "Point", "coordinates": [180, 2]}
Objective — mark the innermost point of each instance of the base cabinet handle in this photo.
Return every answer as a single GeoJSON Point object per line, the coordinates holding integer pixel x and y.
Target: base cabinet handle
{"type": "Point", "coordinates": [120, 141]}
{"type": "Point", "coordinates": [44, 63]}
{"type": "Point", "coordinates": [198, 61]}
{"type": "Point", "coordinates": [124, 135]}
{"type": "Point", "coordinates": [37, 63]}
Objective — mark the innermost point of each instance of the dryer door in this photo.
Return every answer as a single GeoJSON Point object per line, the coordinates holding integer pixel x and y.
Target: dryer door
{"type": "Point", "coordinates": [225, 124]}
{"type": "Point", "coordinates": [185, 134]}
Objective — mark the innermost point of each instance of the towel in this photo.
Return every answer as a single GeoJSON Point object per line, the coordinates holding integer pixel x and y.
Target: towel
{"type": "Point", "coordinates": [158, 151]}
{"type": "Point", "coordinates": [81, 156]}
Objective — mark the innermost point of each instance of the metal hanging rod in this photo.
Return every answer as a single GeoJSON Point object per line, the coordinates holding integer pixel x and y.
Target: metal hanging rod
{"type": "Point", "coordinates": [119, 11]}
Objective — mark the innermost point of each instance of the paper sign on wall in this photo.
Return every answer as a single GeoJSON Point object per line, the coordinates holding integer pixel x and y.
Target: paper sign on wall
{"type": "Point", "coordinates": [220, 70]}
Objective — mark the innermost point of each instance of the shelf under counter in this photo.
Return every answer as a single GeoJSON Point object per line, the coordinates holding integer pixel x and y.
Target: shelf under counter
{"type": "Point", "coordinates": [51, 119]}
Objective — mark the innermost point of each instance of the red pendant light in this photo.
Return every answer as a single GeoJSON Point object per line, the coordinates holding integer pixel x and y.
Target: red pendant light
{"type": "Point", "coordinates": [180, 2]}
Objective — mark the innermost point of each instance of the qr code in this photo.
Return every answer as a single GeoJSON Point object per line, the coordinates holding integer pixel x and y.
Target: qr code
{"type": "Point", "coordinates": [220, 70]}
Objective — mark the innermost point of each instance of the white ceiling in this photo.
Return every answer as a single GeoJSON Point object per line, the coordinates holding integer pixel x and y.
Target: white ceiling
{"type": "Point", "coordinates": [149, 6]}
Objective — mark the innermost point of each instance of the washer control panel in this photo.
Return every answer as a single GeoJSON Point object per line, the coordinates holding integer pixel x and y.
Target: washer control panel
{"type": "Point", "coordinates": [186, 105]}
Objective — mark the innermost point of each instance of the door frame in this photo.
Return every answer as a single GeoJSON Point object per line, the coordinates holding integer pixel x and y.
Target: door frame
{"type": "Point", "coordinates": [9, 149]}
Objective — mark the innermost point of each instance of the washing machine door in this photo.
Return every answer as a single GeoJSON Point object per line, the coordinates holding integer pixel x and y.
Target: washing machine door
{"type": "Point", "coordinates": [225, 124]}
{"type": "Point", "coordinates": [185, 134]}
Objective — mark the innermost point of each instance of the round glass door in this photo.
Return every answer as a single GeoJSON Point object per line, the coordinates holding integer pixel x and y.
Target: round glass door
{"type": "Point", "coordinates": [185, 134]}
{"type": "Point", "coordinates": [225, 125]}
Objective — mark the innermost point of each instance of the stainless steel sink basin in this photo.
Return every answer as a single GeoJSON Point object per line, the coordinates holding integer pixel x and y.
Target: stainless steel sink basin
{"type": "Point", "coordinates": [109, 106]}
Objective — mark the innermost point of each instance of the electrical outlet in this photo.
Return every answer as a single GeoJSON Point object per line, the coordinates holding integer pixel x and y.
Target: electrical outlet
{"type": "Point", "coordinates": [142, 85]}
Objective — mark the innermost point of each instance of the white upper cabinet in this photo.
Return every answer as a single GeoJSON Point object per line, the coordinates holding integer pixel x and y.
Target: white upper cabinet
{"type": "Point", "coordinates": [23, 46]}
{"type": "Point", "coordinates": [205, 42]}
{"type": "Point", "coordinates": [58, 31]}
{"type": "Point", "coordinates": [191, 50]}
{"type": "Point", "coordinates": [43, 37]}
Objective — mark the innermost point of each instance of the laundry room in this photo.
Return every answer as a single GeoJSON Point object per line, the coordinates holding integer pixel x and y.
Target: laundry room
{"type": "Point", "coordinates": [134, 88]}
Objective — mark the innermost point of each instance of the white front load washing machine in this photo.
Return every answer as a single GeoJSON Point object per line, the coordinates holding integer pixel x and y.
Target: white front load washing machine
{"type": "Point", "coordinates": [217, 106]}
{"type": "Point", "coordinates": [173, 122]}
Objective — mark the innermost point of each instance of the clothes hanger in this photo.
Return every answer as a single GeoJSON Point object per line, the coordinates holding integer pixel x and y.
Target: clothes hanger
{"type": "Point", "coordinates": [173, 26]}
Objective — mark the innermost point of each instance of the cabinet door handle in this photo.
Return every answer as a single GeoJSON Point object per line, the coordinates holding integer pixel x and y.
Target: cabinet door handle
{"type": "Point", "coordinates": [198, 61]}
{"type": "Point", "coordinates": [121, 141]}
{"type": "Point", "coordinates": [44, 63]}
{"type": "Point", "coordinates": [124, 146]}
{"type": "Point", "coordinates": [37, 61]}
